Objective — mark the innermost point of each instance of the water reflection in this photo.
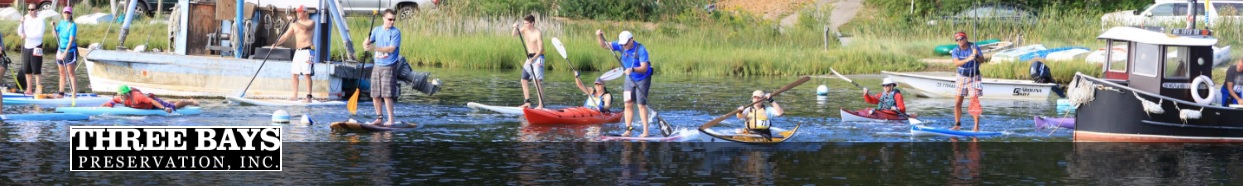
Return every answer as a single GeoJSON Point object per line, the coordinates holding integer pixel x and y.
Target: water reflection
{"type": "Point", "coordinates": [966, 162]}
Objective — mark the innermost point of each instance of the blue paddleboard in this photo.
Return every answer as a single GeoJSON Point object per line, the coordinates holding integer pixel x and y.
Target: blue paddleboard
{"type": "Point", "coordinates": [919, 130]}
{"type": "Point", "coordinates": [45, 117]}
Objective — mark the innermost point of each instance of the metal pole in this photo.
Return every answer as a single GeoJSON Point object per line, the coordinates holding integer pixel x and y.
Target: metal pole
{"type": "Point", "coordinates": [159, 8]}
{"type": "Point", "coordinates": [237, 32]}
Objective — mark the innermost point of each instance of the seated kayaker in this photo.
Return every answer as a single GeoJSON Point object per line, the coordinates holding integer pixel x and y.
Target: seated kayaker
{"type": "Point", "coordinates": [889, 102]}
{"type": "Point", "coordinates": [134, 98]}
{"type": "Point", "coordinates": [598, 97]}
{"type": "Point", "coordinates": [1232, 88]}
{"type": "Point", "coordinates": [758, 117]}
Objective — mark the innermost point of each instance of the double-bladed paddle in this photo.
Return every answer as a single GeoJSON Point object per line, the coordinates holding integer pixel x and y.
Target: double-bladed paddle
{"type": "Point", "coordinates": [796, 83]}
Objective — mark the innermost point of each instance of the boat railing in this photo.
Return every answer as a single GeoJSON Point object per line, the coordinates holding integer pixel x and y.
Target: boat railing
{"type": "Point", "coordinates": [1145, 93]}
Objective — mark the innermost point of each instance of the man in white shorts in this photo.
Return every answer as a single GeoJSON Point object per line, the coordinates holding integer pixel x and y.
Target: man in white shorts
{"type": "Point", "coordinates": [303, 62]}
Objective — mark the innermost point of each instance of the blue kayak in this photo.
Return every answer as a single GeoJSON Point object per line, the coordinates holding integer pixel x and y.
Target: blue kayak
{"type": "Point", "coordinates": [80, 101]}
{"type": "Point", "coordinates": [45, 117]}
{"type": "Point", "coordinates": [18, 95]}
{"type": "Point", "coordinates": [126, 111]}
{"type": "Point", "coordinates": [919, 130]}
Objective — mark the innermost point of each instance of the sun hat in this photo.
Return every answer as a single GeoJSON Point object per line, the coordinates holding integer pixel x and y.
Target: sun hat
{"type": "Point", "coordinates": [887, 81]}
{"type": "Point", "coordinates": [624, 37]}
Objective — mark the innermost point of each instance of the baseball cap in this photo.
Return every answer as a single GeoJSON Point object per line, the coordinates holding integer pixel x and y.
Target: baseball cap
{"type": "Point", "coordinates": [67, 9]}
{"type": "Point", "coordinates": [960, 35]}
{"type": "Point", "coordinates": [599, 81]}
{"type": "Point", "coordinates": [624, 37]}
{"type": "Point", "coordinates": [301, 8]}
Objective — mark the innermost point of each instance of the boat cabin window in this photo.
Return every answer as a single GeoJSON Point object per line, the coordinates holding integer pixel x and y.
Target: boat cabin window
{"type": "Point", "coordinates": [1147, 60]}
{"type": "Point", "coordinates": [1176, 62]}
{"type": "Point", "coordinates": [1118, 53]}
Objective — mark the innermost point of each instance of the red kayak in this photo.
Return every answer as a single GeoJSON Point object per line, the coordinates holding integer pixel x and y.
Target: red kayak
{"type": "Point", "coordinates": [574, 116]}
{"type": "Point", "coordinates": [863, 116]}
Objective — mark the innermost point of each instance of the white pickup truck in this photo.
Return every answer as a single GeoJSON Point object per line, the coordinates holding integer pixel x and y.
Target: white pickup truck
{"type": "Point", "coordinates": [1173, 13]}
{"type": "Point", "coordinates": [404, 8]}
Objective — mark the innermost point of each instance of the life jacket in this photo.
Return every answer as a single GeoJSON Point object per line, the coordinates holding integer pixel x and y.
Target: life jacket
{"type": "Point", "coordinates": [758, 119]}
{"type": "Point", "coordinates": [595, 102]}
{"type": "Point", "coordinates": [888, 100]}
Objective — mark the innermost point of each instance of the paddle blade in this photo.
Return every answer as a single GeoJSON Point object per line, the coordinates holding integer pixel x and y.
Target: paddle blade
{"type": "Point", "coordinates": [839, 75]}
{"type": "Point", "coordinates": [915, 121]}
{"type": "Point", "coordinates": [556, 43]}
{"type": "Point", "coordinates": [352, 105]}
{"type": "Point", "coordinates": [612, 74]}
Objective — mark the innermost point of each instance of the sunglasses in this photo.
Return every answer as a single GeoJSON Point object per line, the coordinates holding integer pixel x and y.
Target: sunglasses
{"type": "Point", "coordinates": [391, 19]}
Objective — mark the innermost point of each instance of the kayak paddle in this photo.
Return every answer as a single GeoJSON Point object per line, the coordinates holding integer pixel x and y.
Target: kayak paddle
{"type": "Point", "coordinates": [556, 43]}
{"type": "Point", "coordinates": [839, 75]}
{"type": "Point", "coordinates": [616, 72]}
{"type": "Point", "coordinates": [800, 81]}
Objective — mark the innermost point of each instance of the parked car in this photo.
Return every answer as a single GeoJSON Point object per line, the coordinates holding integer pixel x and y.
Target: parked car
{"type": "Point", "coordinates": [404, 8]}
{"type": "Point", "coordinates": [1171, 13]}
{"type": "Point", "coordinates": [43, 4]}
{"type": "Point", "coordinates": [145, 6]}
{"type": "Point", "coordinates": [993, 12]}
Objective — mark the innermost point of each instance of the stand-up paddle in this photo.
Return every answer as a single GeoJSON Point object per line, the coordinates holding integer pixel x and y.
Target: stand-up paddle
{"type": "Point", "coordinates": [539, 92]}
{"type": "Point", "coordinates": [616, 72]}
{"type": "Point", "coordinates": [839, 75]}
{"type": "Point", "coordinates": [352, 105]}
{"type": "Point", "coordinates": [800, 81]}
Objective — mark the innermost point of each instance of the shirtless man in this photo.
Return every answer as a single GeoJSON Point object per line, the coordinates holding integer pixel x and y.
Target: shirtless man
{"type": "Point", "coordinates": [533, 68]}
{"type": "Point", "coordinates": [303, 62]}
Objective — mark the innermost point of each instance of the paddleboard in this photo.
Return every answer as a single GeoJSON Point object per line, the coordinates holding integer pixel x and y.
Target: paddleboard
{"type": "Point", "coordinates": [679, 135]}
{"type": "Point", "coordinates": [14, 94]}
{"type": "Point", "coordinates": [779, 135]}
{"type": "Point", "coordinates": [501, 109]}
{"type": "Point", "coordinates": [360, 127]}
{"type": "Point", "coordinates": [919, 130]}
{"type": "Point", "coordinates": [273, 102]}
{"type": "Point", "coordinates": [126, 111]}
{"type": "Point", "coordinates": [80, 101]}
{"type": "Point", "coordinates": [45, 117]}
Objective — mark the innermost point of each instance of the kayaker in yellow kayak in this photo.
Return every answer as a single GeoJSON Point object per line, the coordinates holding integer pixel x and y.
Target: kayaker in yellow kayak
{"type": "Point", "coordinates": [889, 103]}
{"type": "Point", "coordinates": [598, 97]}
{"type": "Point", "coordinates": [757, 123]}
{"type": "Point", "coordinates": [133, 98]}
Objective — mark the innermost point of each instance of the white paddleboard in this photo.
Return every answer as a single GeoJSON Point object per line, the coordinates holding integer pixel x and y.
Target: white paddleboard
{"type": "Point", "coordinates": [267, 102]}
{"type": "Point", "coordinates": [501, 109]}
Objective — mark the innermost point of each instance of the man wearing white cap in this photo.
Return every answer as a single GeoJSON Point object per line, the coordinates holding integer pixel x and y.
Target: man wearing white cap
{"type": "Point", "coordinates": [638, 67]}
{"type": "Point", "coordinates": [757, 117]}
{"type": "Point", "coordinates": [889, 104]}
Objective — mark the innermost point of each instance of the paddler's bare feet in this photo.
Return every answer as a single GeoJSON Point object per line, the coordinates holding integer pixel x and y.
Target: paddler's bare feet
{"type": "Point", "coordinates": [643, 135]}
{"type": "Point", "coordinates": [524, 105]}
{"type": "Point", "coordinates": [377, 122]}
{"type": "Point", "coordinates": [389, 123]}
{"type": "Point", "coordinates": [627, 133]}
{"type": "Point", "coordinates": [955, 126]}
{"type": "Point", "coordinates": [293, 98]}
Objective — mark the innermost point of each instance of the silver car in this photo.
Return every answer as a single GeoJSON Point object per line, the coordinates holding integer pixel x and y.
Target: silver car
{"type": "Point", "coordinates": [404, 8]}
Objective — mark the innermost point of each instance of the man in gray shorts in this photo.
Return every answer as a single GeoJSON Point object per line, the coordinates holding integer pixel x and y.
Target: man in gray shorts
{"type": "Point", "coordinates": [639, 70]}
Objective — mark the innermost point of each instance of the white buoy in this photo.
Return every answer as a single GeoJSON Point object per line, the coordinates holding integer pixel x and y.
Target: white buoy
{"type": "Point", "coordinates": [306, 119]}
{"type": "Point", "coordinates": [822, 90]}
{"type": "Point", "coordinates": [280, 116]}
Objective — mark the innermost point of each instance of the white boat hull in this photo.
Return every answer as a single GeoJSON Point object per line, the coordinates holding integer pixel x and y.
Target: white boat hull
{"type": "Point", "coordinates": [943, 87]}
{"type": "Point", "coordinates": [199, 76]}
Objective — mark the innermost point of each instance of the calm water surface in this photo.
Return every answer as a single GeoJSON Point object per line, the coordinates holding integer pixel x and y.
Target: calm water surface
{"type": "Point", "coordinates": [456, 144]}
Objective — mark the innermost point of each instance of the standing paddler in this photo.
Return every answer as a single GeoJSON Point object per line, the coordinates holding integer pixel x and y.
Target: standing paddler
{"type": "Point", "coordinates": [533, 67]}
{"type": "Point", "coordinates": [967, 57]}
{"type": "Point", "coordinates": [639, 70]}
{"type": "Point", "coordinates": [387, 42]}
{"type": "Point", "coordinates": [303, 62]}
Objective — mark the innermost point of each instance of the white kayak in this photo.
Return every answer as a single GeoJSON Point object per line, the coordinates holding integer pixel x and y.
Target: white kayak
{"type": "Point", "coordinates": [273, 102]}
{"type": "Point", "coordinates": [126, 111]}
{"type": "Point", "coordinates": [501, 109]}
{"type": "Point", "coordinates": [45, 117]}
{"type": "Point", "coordinates": [80, 101]}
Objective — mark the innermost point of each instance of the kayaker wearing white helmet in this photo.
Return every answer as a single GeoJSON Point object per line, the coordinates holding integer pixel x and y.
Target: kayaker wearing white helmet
{"type": "Point", "coordinates": [889, 101]}
{"type": "Point", "coordinates": [758, 117]}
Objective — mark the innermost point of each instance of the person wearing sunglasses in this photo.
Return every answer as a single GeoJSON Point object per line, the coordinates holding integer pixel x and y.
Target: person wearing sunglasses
{"type": "Point", "coordinates": [889, 103]}
{"type": "Point", "coordinates": [598, 97]}
{"type": "Point", "coordinates": [31, 30]}
{"type": "Point", "coordinates": [303, 62]}
{"type": "Point", "coordinates": [385, 41]}
{"type": "Point", "coordinates": [757, 117]}
{"type": "Point", "coordinates": [967, 57]}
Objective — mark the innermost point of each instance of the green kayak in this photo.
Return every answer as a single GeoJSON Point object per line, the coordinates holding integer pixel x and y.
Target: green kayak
{"type": "Point", "coordinates": [945, 49]}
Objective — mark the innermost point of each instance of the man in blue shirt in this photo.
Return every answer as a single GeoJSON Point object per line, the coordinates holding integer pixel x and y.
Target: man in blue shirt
{"type": "Point", "coordinates": [638, 67]}
{"type": "Point", "coordinates": [967, 57]}
{"type": "Point", "coordinates": [387, 42]}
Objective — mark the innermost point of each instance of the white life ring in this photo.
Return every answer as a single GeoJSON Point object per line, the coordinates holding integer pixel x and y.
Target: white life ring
{"type": "Point", "coordinates": [1195, 85]}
